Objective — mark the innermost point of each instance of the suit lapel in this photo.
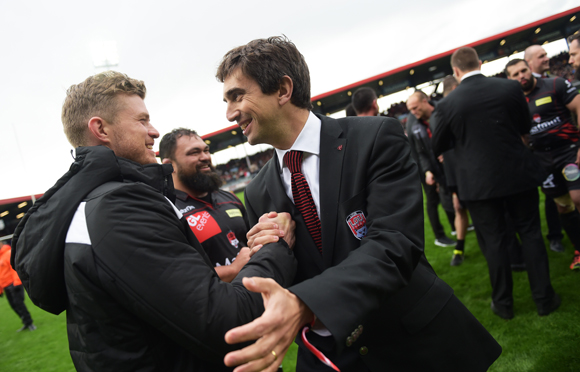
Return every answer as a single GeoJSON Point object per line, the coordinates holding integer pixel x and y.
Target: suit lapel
{"type": "Point", "coordinates": [332, 149]}
{"type": "Point", "coordinates": [282, 203]}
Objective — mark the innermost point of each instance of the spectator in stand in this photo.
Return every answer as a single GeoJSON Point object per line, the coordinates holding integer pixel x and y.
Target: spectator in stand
{"type": "Point", "coordinates": [364, 101]}
{"type": "Point", "coordinates": [419, 134]}
{"type": "Point", "coordinates": [539, 64]}
{"type": "Point", "coordinates": [11, 285]}
{"type": "Point", "coordinates": [217, 218]}
{"type": "Point", "coordinates": [483, 119]}
{"type": "Point", "coordinates": [556, 141]}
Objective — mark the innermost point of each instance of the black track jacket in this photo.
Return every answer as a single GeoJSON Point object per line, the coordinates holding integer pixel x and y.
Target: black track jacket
{"type": "Point", "coordinates": [106, 245]}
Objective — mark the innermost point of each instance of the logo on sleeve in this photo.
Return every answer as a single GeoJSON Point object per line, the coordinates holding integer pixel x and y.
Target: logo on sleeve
{"type": "Point", "coordinates": [357, 223]}
{"type": "Point", "coordinates": [203, 225]}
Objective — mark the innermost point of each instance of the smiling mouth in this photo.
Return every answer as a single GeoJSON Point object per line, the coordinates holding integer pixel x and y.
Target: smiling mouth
{"type": "Point", "coordinates": [245, 126]}
{"type": "Point", "coordinates": [150, 147]}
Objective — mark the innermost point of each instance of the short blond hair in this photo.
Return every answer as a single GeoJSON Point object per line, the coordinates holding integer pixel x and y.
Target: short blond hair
{"type": "Point", "coordinates": [96, 96]}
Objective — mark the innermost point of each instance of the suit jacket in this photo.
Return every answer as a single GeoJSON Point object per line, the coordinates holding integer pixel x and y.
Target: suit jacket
{"type": "Point", "coordinates": [422, 143]}
{"type": "Point", "coordinates": [485, 119]}
{"type": "Point", "coordinates": [378, 292]}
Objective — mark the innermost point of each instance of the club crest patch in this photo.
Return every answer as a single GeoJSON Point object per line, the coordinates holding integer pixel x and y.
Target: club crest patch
{"type": "Point", "coordinates": [232, 238]}
{"type": "Point", "coordinates": [358, 224]}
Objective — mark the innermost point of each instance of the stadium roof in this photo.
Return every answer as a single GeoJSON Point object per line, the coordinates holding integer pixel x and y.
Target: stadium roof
{"type": "Point", "coordinates": [433, 68]}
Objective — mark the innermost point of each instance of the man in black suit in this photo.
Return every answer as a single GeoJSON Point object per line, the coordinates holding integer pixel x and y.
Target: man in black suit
{"type": "Point", "coordinates": [432, 175]}
{"type": "Point", "coordinates": [486, 118]}
{"type": "Point", "coordinates": [363, 283]}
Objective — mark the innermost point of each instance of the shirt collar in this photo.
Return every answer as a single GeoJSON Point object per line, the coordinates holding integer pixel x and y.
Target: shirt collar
{"type": "Point", "coordinates": [181, 195]}
{"type": "Point", "coordinates": [470, 73]}
{"type": "Point", "coordinates": [307, 141]}
{"type": "Point", "coordinates": [536, 74]}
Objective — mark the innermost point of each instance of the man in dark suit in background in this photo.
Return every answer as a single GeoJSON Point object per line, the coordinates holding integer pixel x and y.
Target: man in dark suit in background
{"type": "Point", "coordinates": [363, 282]}
{"type": "Point", "coordinates": [486, 118]}
{"type": "Point", "coordinates": [419, 133]}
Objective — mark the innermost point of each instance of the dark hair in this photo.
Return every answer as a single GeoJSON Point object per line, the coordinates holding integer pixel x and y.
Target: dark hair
{"type": "Point", "coordinates": [449, 83]}
{"type": "Point", "coordinates": [363, 99]}
{"type": "Point", "coordinates": [350, 110]}
{"type": "Point", "coordinates": [169, 142]}
{"type": "Point", "coordinates": [573, 37]}
{"type": "Point", "coordinates": [465, 59]}
{"type": "Point", "coordinates": [267, 61]}
{"type": "Point", "coordinates": [513, 62]}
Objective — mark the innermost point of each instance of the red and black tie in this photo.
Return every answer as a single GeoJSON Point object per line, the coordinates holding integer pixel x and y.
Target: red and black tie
{"type": "Point", "coordinates": [302, 196]}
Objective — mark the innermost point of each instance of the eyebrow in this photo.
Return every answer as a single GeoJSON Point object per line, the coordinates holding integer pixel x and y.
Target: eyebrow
{"type": "Point", "coordinates": [231, 92]}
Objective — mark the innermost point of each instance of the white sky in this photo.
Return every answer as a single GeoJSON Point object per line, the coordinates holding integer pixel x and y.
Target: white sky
{"type": "Point", "coordinates": [175, 47]}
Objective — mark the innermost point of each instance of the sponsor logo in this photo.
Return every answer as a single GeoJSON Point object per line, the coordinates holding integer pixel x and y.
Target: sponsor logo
{"type": "Point", "coordinates": [187, 209]}
{"type": "Point", "coordinates": [234, 213]}
{"type": "Point", "coordinates": [549, 182]}
{"type": "Point", "coordinates": [357, 223]}
{"type": "Point", "coordinates": [203, 225]}
{"type": "Point", "coordinates": [543, 101]}
{"type": "Point", "coordinates": [544, 126]}
{"type": "Point", "coordinates": [232, 238]}
{"type": "Point", "coordinates": [537, 118]}
{"type": "Point", "coordinates": [571, 172]}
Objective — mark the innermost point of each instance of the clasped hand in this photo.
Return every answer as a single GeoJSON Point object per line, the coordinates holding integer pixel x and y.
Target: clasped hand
{"type": "Point", "coordinates": [270, 228]}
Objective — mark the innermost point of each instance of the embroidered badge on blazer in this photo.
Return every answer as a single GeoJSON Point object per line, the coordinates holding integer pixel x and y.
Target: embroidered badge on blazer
{"type": "Point", "coordinates": [358, 224]}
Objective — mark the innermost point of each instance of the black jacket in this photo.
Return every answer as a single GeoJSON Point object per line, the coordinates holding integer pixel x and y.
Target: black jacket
{"type": "Point", "coordinates": [372, 287]}
{"type": "Point", "coordinates": [107, 245]}
{"type": "Point", "coordinates": [484, 119]}
{"type": "Point", "coordinates": [421, 140]}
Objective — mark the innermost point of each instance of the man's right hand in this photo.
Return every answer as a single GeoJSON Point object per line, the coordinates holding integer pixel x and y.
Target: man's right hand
{"type": "Point", "coordinates": [270, 228]}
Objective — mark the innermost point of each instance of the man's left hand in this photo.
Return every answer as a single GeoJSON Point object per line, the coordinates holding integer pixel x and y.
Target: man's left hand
{"type": "Point", "coordinates": [270, 227]}
{"type": "Point", "coordinates": [284, 316]}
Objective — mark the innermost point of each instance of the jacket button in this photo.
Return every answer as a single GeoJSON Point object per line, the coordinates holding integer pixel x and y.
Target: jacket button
{"type": "Point", "coordinates": [349, 341]}
{"type": "Point", "coordinates": [363, 350]}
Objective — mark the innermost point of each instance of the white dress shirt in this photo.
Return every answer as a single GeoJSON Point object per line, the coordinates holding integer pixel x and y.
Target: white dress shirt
{"type": "Point", "coordinates": [308, 141]}
{"type": "Point", "coordinates": [471, 73]}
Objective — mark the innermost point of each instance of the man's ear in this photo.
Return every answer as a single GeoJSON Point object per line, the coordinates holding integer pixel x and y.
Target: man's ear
{"type": "Point", "coordinates": [168, 161]}
{"type": "Point", "coordinates": [457, 73]}
{"type": "Point", "coordinates": [99, 130]}
{"type": "Point", "coordinates": [285, 91]}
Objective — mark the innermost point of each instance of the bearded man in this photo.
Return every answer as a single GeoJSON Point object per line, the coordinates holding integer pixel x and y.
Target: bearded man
{"type": "Point", "coordinates": [217, 218]}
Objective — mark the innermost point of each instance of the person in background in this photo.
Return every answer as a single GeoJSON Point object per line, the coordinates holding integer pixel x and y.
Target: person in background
{"type": "Point", "coordinates": [11, 285]}
{"type": "Point", "coordinates": [484, 120]}
{"type": "Point", "coordinates": [217, 218]}
{"type": "Point", "coordinates": [555, 140]}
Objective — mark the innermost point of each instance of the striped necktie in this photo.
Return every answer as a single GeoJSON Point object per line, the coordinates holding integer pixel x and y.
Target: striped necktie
{"type": "Point", "coordinates": [302, 196]}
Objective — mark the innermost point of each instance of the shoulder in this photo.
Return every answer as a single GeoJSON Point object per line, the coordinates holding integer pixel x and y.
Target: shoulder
{"type": "Point", "coordinates": [369, 125]}
{"type": "Point", "coordinates": [116, 199]}
{"type": "Point", "coordinates": [226, 196]}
